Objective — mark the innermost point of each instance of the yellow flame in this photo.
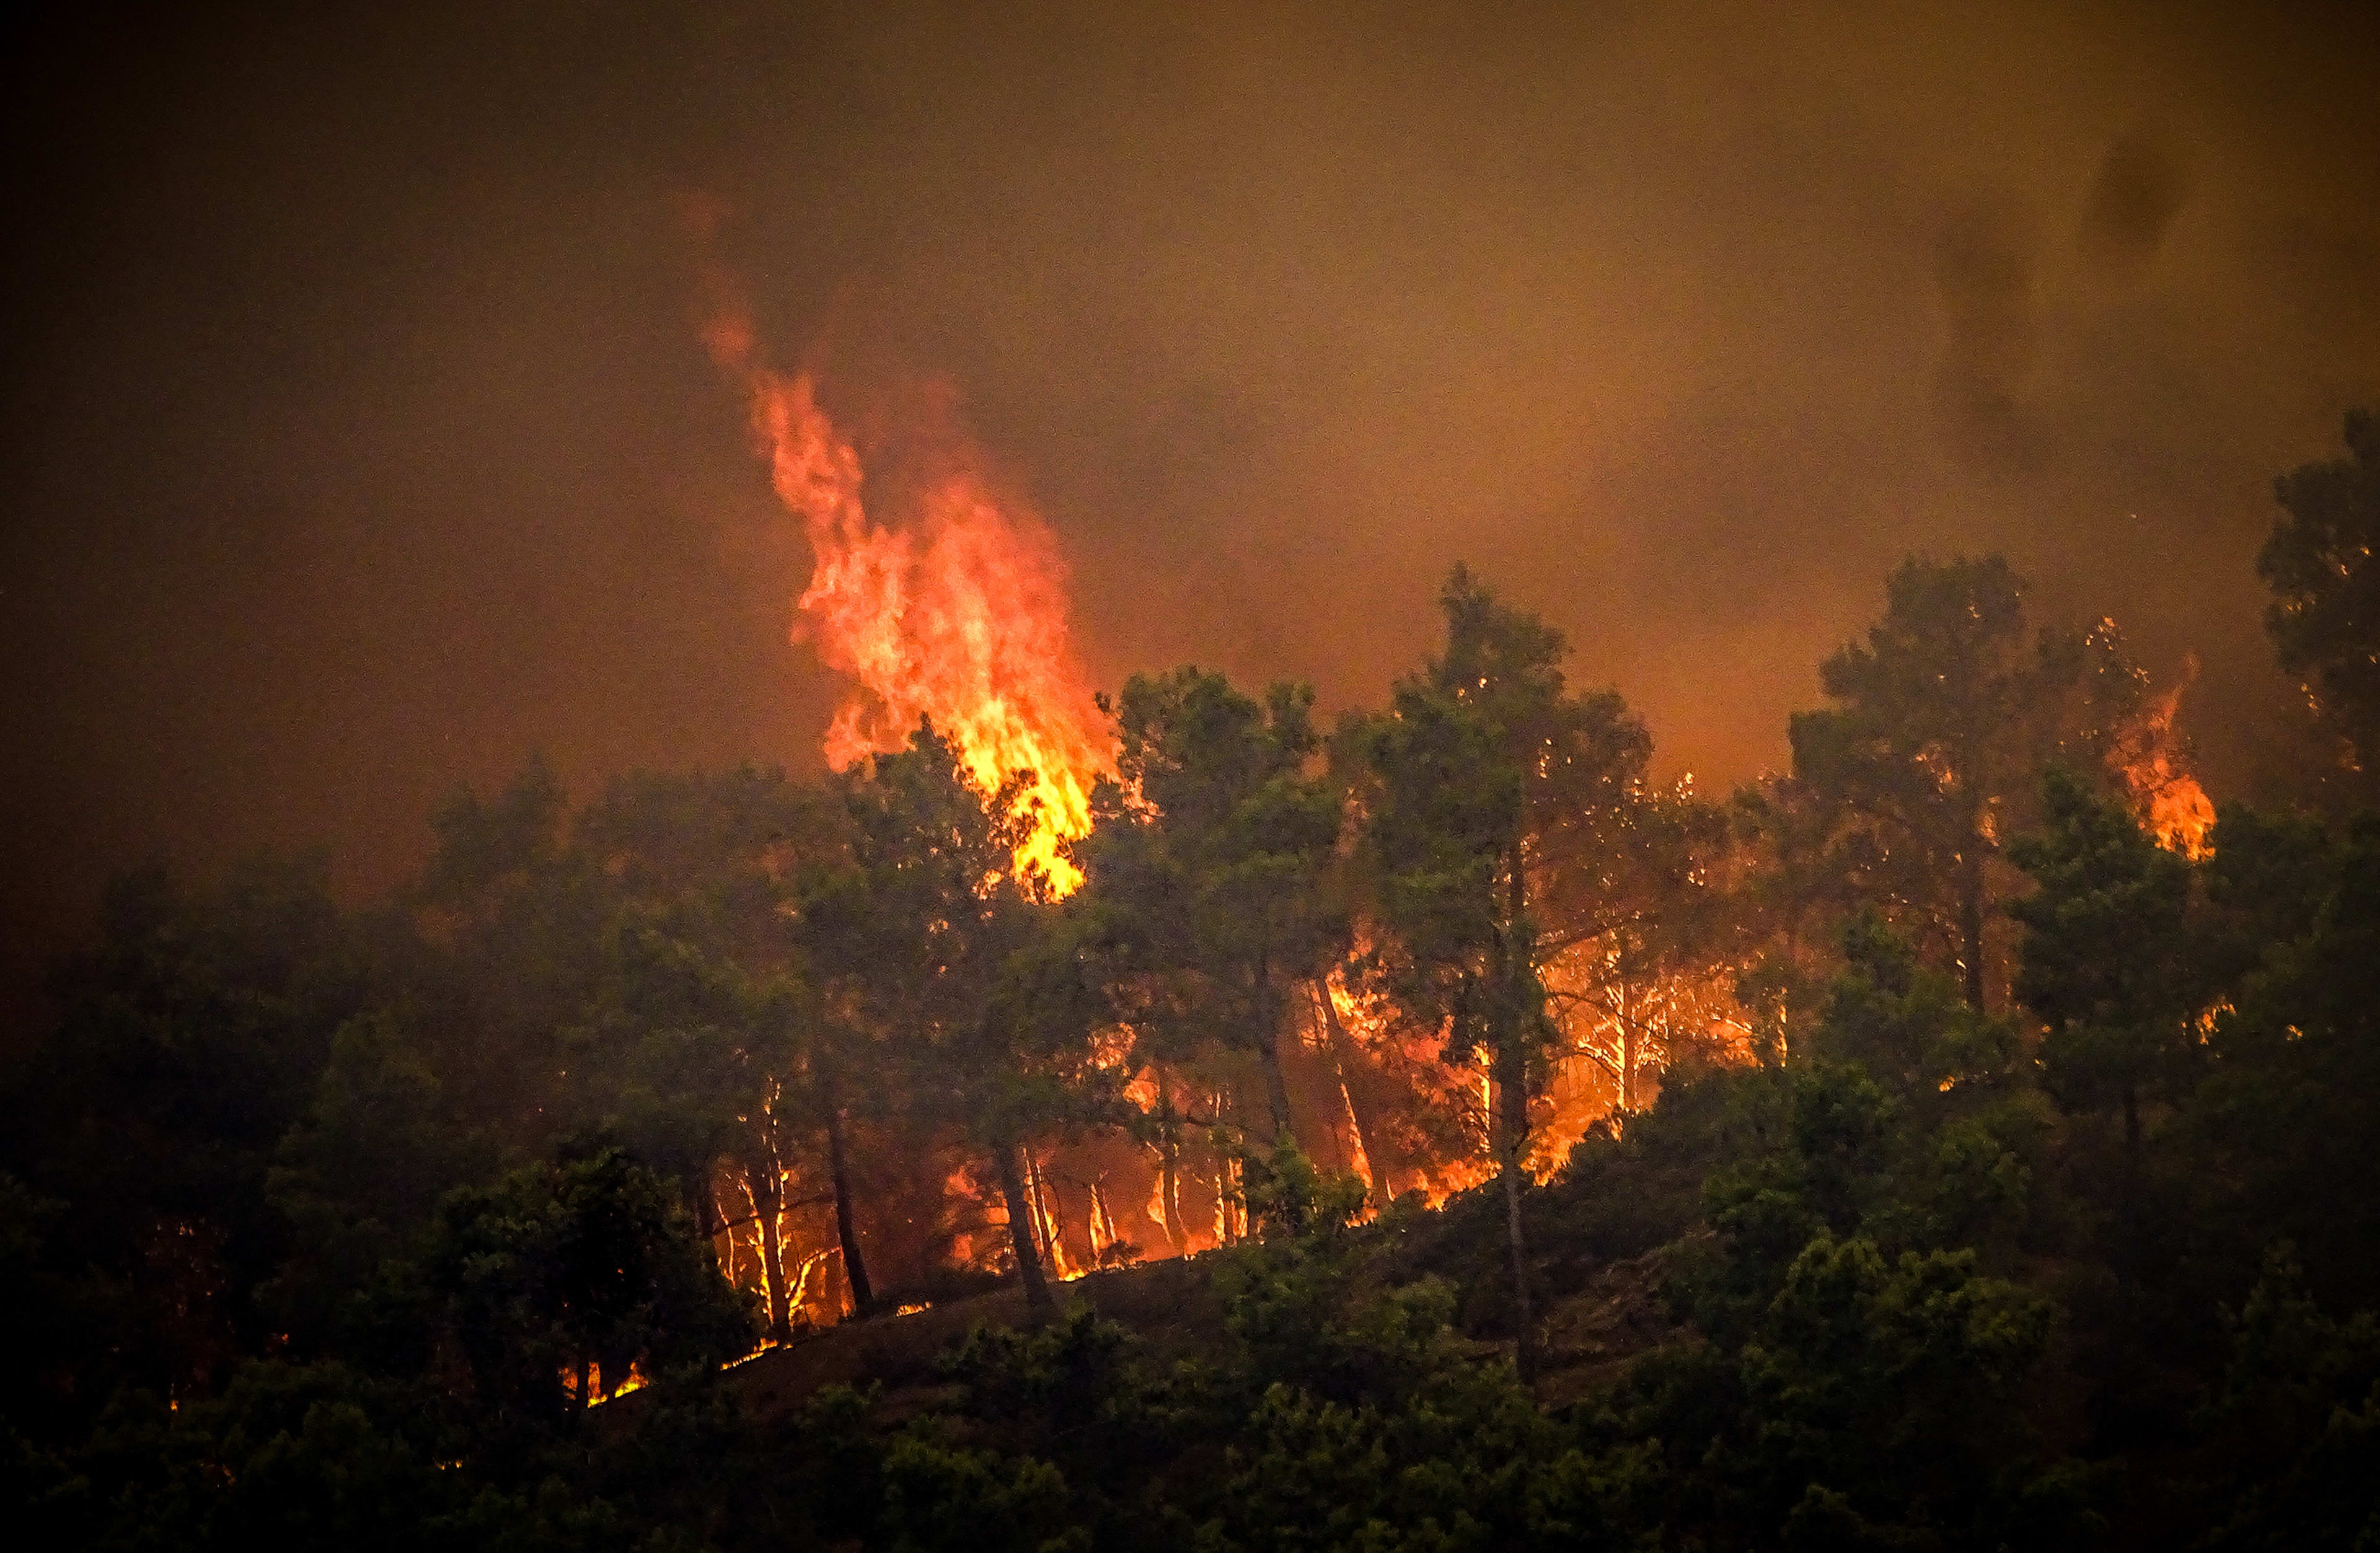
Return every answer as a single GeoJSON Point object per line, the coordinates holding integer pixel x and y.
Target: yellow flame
{"type": "Point", "coordinates": [957, 612]}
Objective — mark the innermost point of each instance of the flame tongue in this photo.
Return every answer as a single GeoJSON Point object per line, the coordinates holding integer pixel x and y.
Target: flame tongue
{"type": "Point", "coordinates": [958, 614]}
{"type": "Point", "coordinates": [2167, 799]}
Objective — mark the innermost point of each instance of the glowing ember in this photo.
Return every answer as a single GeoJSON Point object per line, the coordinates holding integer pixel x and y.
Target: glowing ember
{"type": "Point", "coordinates": [956, 613]}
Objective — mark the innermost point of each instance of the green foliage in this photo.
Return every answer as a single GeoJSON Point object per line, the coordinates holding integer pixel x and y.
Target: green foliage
{"type": "Point", "coordinates": [2296, 1421]}
{"type": "Point", "coordinates": [1850, 1393]}
{"type": "Point", "coordinates": [1483, 754]}
{"type": "Point", "coordinates": [986, 986]}
{"type": "Point", "coordinates": [2114, 963]}
{"type": "Point", "coordinates": [286, 1457]}
{"type": "Point", "coordinates": [1485, 786]}
{"type": "Point", "coordinates": [944, 1498]}
{"type": "Point", "coordinates": [2281, 1120]}
{"type": "Point", "coordinates": [1946, 717]}
{"type": "Point", "coordinates": [1906, 1027]}
{"type": "Point", "coordinates": [1346, 1414]}
{"type": "Point", "coordinates": [1467, 1462]}
{"type": "Point", "coordinates": [1207, 869]}
{"type": "Point", "coordinates": [2326, 608]}
{"type": "Point", "coordinates": [1287, 1197]}
{"type": "Point", "coordinates": [186, 1049]}
{"type": "Point", "coordinates": [316, 1225]}
{"type": "Point", "coordinates": [589, 1260]}
{"type": "Point", "coordinates": [360, 1174]}
{"type": "Point", "coordinates": [984, 980]}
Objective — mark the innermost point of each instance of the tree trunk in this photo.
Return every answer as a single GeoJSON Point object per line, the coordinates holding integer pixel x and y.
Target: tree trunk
{"type": "Point", "coordinates": [855, 1272]}
{"type": "Point", "coordinates": [707, 1215]}
{"type": "Point", "coordinates": [1276, 1091]}
{"type": "Point", "coordinates": [1970, 921]}
{"type": "Point", "coordinates": [1627, 1051]}
{"type": "Point", "coordinates": [1103, 1222]}
{"type": "Point", "coordinates": [1176, 1234]}
{"type": "Point", "coordinates": [1020, 1233]}
{"type": "Point", "coordinates": [766, 1198]}
{"type": "Point", "coordinates": [1268, 1052]}
{"type": "Point", "coordinates": [1510, 1072]}
{"type": "Point", "coordinates": [1226, 1173]}
{"type": "Point", "coordinates": [1344, 1059]}
{"type": "Point", "coordinates": [1169, 1164]}
{"type": "Point", "coordinates": [1044, 1198]}
{"type": "Point", "coordinates": [1512, 1100]}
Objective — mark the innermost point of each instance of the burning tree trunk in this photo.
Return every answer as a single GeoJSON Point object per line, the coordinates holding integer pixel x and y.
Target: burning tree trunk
{"type": "Point", "coordinates": [1105, 1235]}
{"type": "Point", "coordinates": [1046, 1219]}
{"type": "Point", "coordinates": [1020, 1232]}
{"type": "Point", "coordinates": [855, 1272]}
{"type": "Point", "coordinates": [1627, 1050]}
{"type": "Point", "coordinates": [1169, 1164]}
{"type": "Point", "coordinates": [1345, 1058]}
{"type": "Point", "coordinates": [767, 1197]}
{"type": "Point", "coordinates": [1228, 1225]}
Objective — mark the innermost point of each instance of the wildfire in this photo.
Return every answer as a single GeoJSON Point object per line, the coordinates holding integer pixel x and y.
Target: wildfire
{"type": "Point", "coordinates": [2167, 800]}
{"type": "Point", "coordinates": [957, 611]}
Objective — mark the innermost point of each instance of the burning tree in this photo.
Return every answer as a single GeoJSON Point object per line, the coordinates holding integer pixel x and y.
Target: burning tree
{"type": "Point", "coordinates": [966, 966]}
{"type": "Point", "coordinates": [1209, 870]}
{"type": "Point", "coordinates": [571, 1275]}
{"type": "Point", "coordinates": [1646, 950]}
{"type": "Point", "coordinates": [708, 1039]}
{"type": "Point", "coordinates": [1483, 788]}
{"type": "Point", "coordinates": [2115, 959]}
{"type": "Point", "coordinates": [1946, 718]}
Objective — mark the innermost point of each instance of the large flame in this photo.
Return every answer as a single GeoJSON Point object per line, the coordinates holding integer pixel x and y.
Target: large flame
{"type": "Point", "coordinates": [957, 612]}
{"type": "Point", "coordinates": [2167, 799]}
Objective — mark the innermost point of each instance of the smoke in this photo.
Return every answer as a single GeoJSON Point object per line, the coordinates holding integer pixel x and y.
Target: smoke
{"type": "Point", "coordinates": [2133, 200]}
{"type": "Point", "coordinates": [1986, 272]}
{"type": "Point", "coordinates": [361, 442]}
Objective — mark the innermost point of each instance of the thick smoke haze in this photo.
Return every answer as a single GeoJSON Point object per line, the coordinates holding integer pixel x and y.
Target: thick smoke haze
{"type": "Point", "coordinates": [362, 439]}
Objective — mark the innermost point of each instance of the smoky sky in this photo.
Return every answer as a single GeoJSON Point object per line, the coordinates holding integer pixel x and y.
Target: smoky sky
{"type": "Point", "coordinates": [361, 441]}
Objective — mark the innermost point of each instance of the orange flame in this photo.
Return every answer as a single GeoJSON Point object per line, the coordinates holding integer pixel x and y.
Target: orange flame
{"type": "Point", "coordinates": [2167, 800]}
{"type": "Point", "coordinates": [958, 613]}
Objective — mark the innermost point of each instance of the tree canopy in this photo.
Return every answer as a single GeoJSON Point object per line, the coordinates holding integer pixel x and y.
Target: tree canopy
{"type": "Point", "coordinates": [1445, 1134]}
{"type": "Point", "coordinates": [2325, 616]}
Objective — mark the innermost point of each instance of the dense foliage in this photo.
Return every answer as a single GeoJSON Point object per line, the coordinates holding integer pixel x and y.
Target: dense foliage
{"type": "Point", "coordinates": [2033, 1202]}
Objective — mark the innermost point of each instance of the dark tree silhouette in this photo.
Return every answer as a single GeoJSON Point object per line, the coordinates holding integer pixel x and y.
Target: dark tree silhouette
{"type": "Point", "coordinates": [1946, 717]}
{"type": "Point", "coordinates": [1208, 868]}
{"type": "Point", "coordinates": [1474, 778]}
{"type": "Point", "coordinates": [2325, 616]}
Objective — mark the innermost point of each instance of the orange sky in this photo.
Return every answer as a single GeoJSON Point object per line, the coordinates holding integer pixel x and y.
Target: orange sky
{"type": "Point", "coordinates": [361, 439]}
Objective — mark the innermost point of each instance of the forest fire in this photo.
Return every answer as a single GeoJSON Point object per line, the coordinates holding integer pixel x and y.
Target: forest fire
{"type": "Point", "coordinates": [955, 611]}
{"type": "Point", "coordinates": [849, 777]}
{"type": "Point", "coordinates": [2167, 800]}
